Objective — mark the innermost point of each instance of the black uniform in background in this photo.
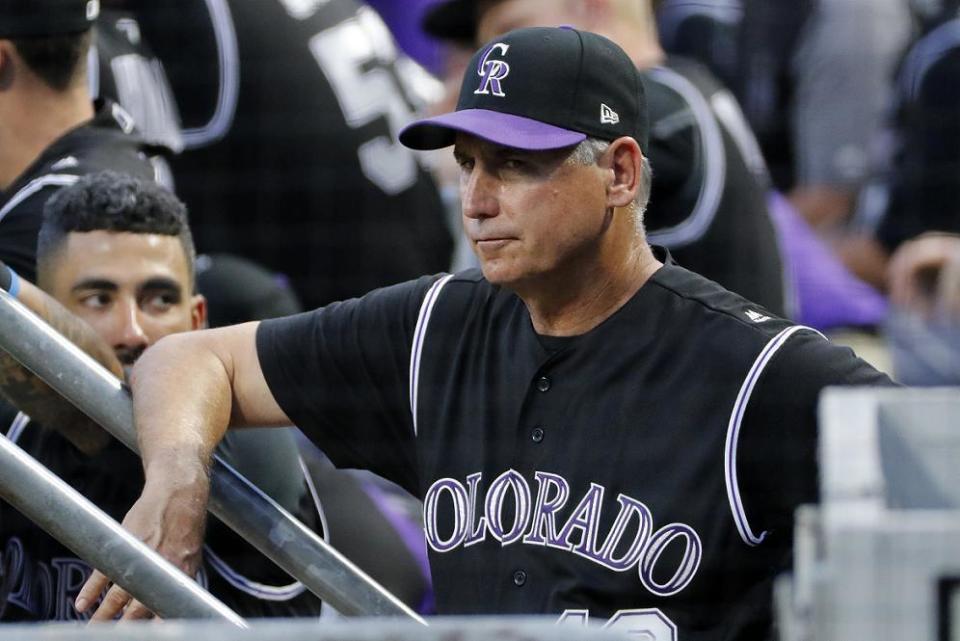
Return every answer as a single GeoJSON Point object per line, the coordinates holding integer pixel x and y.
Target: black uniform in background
{"type": "Point", "coordinates": [749, 45]}
{"type": "Point", "coordinates": [644, 473]}
{"type": "Point", "coordinates": [125, 69]}
{"type": "Point", "coordinates": [919, 187]}
{"type": "Point", "coordinates": [290, 112]}
{"type": "Point", "coordinates": [109, 141]}
{"type": "Point", "coordinates": [709, 198]}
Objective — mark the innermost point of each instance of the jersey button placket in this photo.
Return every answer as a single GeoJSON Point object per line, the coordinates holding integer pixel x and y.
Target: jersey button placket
{"type": "Point", "coordinates": [543, 384]}
{"type": "Point", "coordinates": [537, 435]}
{"type": "Point", "coordinates": [519, 578]}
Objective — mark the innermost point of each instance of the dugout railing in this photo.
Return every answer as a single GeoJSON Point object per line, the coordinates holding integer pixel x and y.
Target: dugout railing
{"type": "Point", "coordinates": [233, 499]}
{"type": "Point", "coordinates": [879, 557]}
{"type": "Point", "coordinates": [442, 629]}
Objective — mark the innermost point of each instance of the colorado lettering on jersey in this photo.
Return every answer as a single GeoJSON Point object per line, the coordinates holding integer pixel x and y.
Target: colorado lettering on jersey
{"type": "Point", "coordinates": [630, 543]}
{"type": "Point", "coordinates": [44, 590]}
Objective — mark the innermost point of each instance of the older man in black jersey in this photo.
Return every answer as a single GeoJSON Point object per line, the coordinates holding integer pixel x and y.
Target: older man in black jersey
{"type": "Point", "coordinates": [596, 432]}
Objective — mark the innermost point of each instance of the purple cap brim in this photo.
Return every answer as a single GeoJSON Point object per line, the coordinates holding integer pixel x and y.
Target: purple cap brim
{"type": "Point", "coordinates": [499, 128]}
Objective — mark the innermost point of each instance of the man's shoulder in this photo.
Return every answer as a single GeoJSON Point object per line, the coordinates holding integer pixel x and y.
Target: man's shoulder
{"type": "Point", "coordinates": [702, 299]}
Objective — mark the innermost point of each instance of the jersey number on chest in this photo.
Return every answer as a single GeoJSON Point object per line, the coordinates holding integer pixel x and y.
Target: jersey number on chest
{"type": "Point", "coordinates": [648, 624]}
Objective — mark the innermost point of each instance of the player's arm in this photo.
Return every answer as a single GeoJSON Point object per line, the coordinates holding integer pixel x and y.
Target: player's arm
{"type": "Point", "coordinates": [187, 389]}
{"type": "Point", "coordinates": [35, 398]}
{"type": "Point", "coordinates": [777, 451]}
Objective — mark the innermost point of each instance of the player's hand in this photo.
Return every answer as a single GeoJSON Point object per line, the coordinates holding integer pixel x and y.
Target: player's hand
{"type": "Point", "coordinates": [169, 517]}
{"type": "Point", "coordinates": [924, 275]}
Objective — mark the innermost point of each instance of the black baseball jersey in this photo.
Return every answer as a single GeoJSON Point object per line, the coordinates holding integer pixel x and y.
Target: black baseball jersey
{"type": "Point", "coordinates": [750, 46]}
{"type": "Point", "coordinates": [918, 189]}
{"type": "Point", "coordinates": [41, 577]}
{"type": "Point", "coordinates": [643, 474]}
{"type": "Point", "coordinates": [709, 199]}
{"type": "Point", "coordinates": [290, 112]}
{"type": "Point", "coordinates": [108, 141]}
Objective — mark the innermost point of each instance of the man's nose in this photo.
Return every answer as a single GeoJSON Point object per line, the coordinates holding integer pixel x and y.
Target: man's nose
{"type": "Point", "coordinates": [131, 332]}
{"type": "Point", "coordinates": [478, 194]}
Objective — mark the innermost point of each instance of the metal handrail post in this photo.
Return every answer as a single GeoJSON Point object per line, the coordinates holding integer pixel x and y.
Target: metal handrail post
{"type": "Point", "coordinates": [80, 525]}
{"type": "Point", "coordinates": [233, 499]}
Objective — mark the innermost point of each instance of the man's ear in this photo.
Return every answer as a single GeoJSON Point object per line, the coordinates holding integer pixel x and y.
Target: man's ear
{"type": "Point", "coordinates": [624, 158]}
{"type": "Point", "coordinates": [198, 311]}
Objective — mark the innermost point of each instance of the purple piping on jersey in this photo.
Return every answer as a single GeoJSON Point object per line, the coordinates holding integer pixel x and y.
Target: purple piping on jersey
{"type": "Point", "coordinates": [423, 319]}
{"type": "Point", "coordinates": [733, 432]}
{"type": "Point", "coordinates": [19, 424]}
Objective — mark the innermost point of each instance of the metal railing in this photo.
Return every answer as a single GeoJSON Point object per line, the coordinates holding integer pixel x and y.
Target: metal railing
{"type": "Point", "coordinates": [49, 502]}
{"type": "Point", "coordinates": [442, 629]}
{"type": "Point", "coordinates": [234, 500]}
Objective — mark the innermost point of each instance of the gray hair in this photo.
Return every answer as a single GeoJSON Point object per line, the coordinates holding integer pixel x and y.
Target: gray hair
{"type": "Point", "coordinates": [588, 153]}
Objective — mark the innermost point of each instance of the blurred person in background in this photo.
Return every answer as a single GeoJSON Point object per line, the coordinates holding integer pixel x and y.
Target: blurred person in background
{"type": "Point", "coordinates": [916, 185]}
{"type": "Point", "coordinates": [51, 131]}
{"type": "Point", "coordinates": [289, 113]}
{"type": "Point", "coordinates": [813, 77]}
{"type": "Point", "coordinates": [924, 329]}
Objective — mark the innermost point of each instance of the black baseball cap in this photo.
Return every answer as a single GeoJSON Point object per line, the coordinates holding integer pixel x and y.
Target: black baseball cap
{"type": "Point", "coordinates": [31, 18]}
{"type": "Point", "coordinates": [542, 88]}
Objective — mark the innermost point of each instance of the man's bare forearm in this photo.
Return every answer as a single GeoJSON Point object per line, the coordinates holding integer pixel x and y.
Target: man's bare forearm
{"type": "Point", "coordinates": [35, 398]}
{"type": "Point", "coordinates": [182, 400]}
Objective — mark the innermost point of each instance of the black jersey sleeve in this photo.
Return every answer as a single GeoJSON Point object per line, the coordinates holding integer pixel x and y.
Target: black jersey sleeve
{"type": "Point", "coordinates": [341, 374]}
{"type": "Point", "coordinates": [777, 448]}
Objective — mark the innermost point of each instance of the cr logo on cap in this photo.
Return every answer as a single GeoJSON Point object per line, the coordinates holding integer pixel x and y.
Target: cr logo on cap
{"type": "Point", "coordinates": [491, 72]}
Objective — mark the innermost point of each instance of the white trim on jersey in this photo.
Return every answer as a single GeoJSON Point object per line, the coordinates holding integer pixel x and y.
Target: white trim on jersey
{"type": "Point", "coordinates": [419, 333]}
{"type": "Point", "coordinates": [262, 590]}
{"type": "Point", "coordinates": [19, 424]}
{"type": "Point", "coordinates": [315, 495]}
{"type": "Point", "coordinates": [229, 89]}
{"type": "Point", "coordinates": [698, 222]}
{"type": "Point", "coordinates": [253, 588]}
{"type": "Point", "coordinates": [35, 185]}
{"type": "Point", "coordinates": [733, 432]}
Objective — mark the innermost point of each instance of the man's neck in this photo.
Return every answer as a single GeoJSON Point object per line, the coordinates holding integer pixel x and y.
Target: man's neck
{"type": "Point", "coordinates": [584, 295]}
{"type": "Point", "coordinates": [31, 119]}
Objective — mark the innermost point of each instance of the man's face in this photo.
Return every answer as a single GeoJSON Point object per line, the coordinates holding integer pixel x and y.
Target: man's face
{"type": "Point", "coordinates": [529, 215]}
{"type": "Point", "coordinates": [500, 16]}
{"type": "Point", "coordinates": [133, 289]}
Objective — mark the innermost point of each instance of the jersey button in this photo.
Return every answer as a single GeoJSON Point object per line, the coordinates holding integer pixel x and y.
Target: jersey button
{"type": "Point", "coordinates": [537, 434]}
{"type": "Point", "coordinates": [543, 383]}
{"type": "Point", "coordinates": [519, 578]}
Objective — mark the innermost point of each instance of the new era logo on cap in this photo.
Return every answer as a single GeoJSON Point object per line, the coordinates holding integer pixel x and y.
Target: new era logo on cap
{"type": "Point", "coordinates": [608, 116]}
